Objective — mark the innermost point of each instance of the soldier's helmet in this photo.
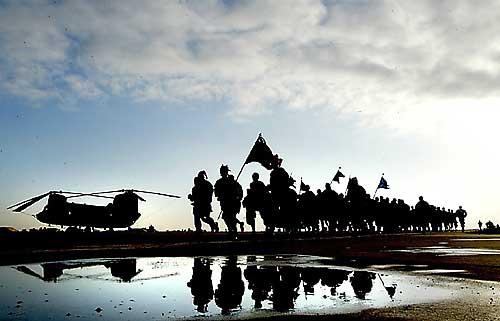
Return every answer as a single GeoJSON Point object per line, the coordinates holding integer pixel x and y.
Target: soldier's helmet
{"type": "Point", "coordinates": [420, 198]}
{"type": "Point", "coordinates": [460, 207]}
{"type": "Point", "coordinates": [327, 186]}
{"type": "Point", "coordinates": [255, 176]}
{"type": "Point", "coordinates": [202, 175]}
{"type": "Point", "coordinates": [224, 170]}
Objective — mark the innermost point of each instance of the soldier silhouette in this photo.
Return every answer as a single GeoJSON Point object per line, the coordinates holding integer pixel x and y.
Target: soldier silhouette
{"type": "Point", "coordinates": [423, 213]}
{"type": "Point", "coordinates": [201, 199]}
{"type": "Point", "coordinates": [461, 214]}
{"type": "Point", "coordinates": [229, 193]}
{"type": "Point", "coordinates": [480, 226]}
{"type": "Point", "coordinates": [255, 199]}
{"type": "Point", "coordinates": [201, 284]}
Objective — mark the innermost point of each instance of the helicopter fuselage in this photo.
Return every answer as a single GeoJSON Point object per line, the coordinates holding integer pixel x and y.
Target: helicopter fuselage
{"type": "Point", "coordinates": [122, 213]}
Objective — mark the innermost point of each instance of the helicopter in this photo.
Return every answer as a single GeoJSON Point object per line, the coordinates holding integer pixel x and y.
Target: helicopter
{"type": "Point", "coordinates": [121, 213]}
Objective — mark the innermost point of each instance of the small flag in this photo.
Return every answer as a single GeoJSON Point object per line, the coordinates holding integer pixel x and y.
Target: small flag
{"type": "Point", "coordinates": [383, 183]}
{"type": "Point", "coordinates": [261, 153]}
{"type": "Point", "coordinates": [303, 187]}
{"type": "Point", "coordinates": [338, 176]}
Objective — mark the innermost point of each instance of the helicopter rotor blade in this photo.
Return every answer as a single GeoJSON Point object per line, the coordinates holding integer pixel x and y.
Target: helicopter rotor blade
{"type": "Point", "coordinates": [89, 194]}
{"type": "Point", "coordinates": [27, 203]}
{"type": "Point", "coordinates": [107, 192]}
{"type": "Point", "coordinates": [155, 193]}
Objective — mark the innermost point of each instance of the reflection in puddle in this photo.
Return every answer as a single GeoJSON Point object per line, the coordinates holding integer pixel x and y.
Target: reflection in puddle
{"type": "Point", "coordinates": [123, 269]}
{"type": "Point", "coordinates": [447, 251]}
{"type": "Point", "coordinates": [210, 286]}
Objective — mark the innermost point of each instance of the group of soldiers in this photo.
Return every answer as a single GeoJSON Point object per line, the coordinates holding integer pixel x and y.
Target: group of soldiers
{"type": "Point", "coordinates": [281, 207]}
{"type": "Point", "coordinates": [279, 285]}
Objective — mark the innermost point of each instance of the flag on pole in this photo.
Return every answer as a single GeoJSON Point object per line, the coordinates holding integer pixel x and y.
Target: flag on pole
{"type": "Point", "coordinates": [338, 176]}
{"type": "Point", "coordinates": [303, 187]}
{"type": "Point", "coordinates": [262, 154]}
{"type": "Point", "coordinates": [383, 183]}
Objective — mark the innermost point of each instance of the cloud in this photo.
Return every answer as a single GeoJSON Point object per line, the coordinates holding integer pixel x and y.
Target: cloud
{"type": "Point", "coordinates": [386, 58]}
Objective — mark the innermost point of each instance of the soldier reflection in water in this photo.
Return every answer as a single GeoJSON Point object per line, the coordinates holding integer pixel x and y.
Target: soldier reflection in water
{"type": "Point", "coordinates": [201, 284]}
{"type": "Point", "coordinates": [229, 292]}
{"type": "Point", "coordinates": [310, 277]}
{"type": "Point", "coordinates": [362, 283]}
{"type": "Point", "coordinates": [285, 290]}
{"type": "Point", "coordinates": [260, 280]}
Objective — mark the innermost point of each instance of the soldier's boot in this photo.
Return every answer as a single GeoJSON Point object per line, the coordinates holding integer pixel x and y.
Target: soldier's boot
{"type": "Point", "coordinates": [215, 227]}
{"type": "Point", "coordinates": [242, 226]}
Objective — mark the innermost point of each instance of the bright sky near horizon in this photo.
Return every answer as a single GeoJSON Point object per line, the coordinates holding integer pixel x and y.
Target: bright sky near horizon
{"type": "Point", "coordinates": [99, 95]}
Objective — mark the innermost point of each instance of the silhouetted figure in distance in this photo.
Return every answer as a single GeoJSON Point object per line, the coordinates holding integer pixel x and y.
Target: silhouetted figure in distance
{"type": "Point", "coordinates": [461, 214]}
{"type": "Point", "coordinates": [423, 213]}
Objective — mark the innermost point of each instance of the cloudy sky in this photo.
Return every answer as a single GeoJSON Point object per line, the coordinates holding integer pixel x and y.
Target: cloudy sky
{"type": "Point", "coordinates": [100, 95]}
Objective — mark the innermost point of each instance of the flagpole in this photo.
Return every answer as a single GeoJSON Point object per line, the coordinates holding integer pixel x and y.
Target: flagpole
{"type": "Point", "coordinates": [375, 193]}
{"type": "Point", "coordinates": [345, 193]}
{"type": "Point", "coordinates": [241, 170]}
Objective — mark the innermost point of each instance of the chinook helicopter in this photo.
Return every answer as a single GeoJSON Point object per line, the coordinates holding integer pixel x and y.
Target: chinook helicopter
{"type": "Point", "coordinates": [121, 213]}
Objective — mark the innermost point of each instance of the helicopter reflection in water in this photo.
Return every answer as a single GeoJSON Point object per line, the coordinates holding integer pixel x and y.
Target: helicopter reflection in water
{"type": "Point", "coordinates": [123, 269]}
{"type": "Point", "coordinates": [280, 285]}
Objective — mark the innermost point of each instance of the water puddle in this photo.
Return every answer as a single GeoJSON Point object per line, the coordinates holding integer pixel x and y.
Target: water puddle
{"type": "Point", "coordinates": [447, 251]}
{"type": "Point", "coordinates": [478, 239]}
{"type": "Point", "coordinates": [213, 287]}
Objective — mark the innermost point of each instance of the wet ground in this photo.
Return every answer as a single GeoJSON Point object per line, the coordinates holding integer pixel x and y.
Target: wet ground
{"type": "Point", "coordinates": [222, 287]}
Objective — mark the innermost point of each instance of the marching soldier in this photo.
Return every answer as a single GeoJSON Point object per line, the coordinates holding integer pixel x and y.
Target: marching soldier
{"type": "Point", "coordinates": [254, 201]}
{"type": "Point", "coordinates": [423, 213]}
{"type": "Point", "coordinates": [229, 193]}
{"type": "Point", "coordinates": [201, 199]}
{"type": "Point", "coordinates": [461, 214]}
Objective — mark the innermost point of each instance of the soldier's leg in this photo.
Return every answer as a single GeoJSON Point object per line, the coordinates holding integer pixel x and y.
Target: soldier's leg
{"type": "Point", "coordinates": [250, 218]}
{"type": "Point", "coordinates": [197, 221]}
{"type": "Point", "coordinates": [210, 221]}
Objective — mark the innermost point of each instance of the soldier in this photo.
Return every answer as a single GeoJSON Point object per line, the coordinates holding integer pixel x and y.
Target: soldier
{"type": "Point", "coordinates": [422, 212]}
{"type": "Point", "coordinates": [229, 193]}
{"type": "Point", "coordinates": [254, 201]}
{"type": "Point", "coordinates": [201, 199]}
{"type": "Point", "coordinates": [461, 214]}
{"type": "Point", "coordinates": [330, 200]}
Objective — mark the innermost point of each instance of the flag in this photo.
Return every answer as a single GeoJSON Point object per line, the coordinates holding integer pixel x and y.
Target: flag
{"type": "Point", "coordinates": [303, 187]}
{"type": "Point", "coordinates": [383, 183]}
{"type": "Point", "coordinates": [338, 176]}
{"type": "Point", "coordinates": [261, 153]}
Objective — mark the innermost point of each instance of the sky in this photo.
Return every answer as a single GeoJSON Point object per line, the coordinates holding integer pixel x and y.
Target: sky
{"type": "Point", "coordinates": [103, 95]}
